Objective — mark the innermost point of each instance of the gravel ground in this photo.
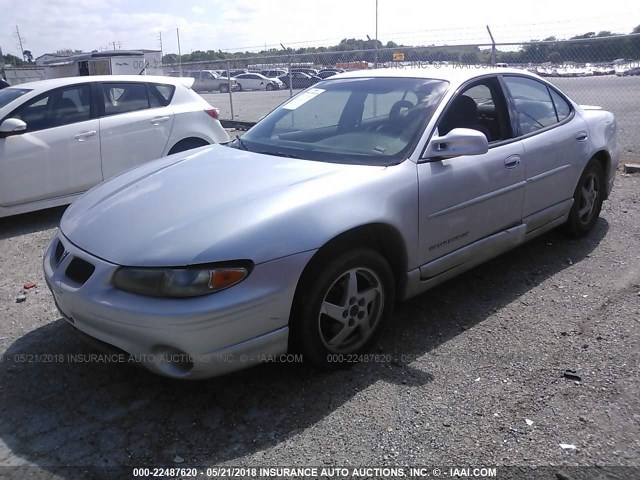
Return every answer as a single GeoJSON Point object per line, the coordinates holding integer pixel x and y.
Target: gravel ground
{"type": "Point", "coordinates": [620, 95]}
{"type": "Point", "coordinates": [459, 373]}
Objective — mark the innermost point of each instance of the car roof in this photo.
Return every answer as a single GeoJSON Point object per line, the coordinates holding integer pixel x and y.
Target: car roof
{"type": "Point", "coordinates": [453, 74]}
{"type": "Point", "coordinates": [61, 82]}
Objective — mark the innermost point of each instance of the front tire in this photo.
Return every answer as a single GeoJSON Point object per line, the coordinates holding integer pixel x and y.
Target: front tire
{"type": "Point", "coordinates": [342, 306]}
{"type": "Point", "coordinates": [269, 87]}
{"type": "Point", "coordinates": [587, 200]}
{"type": "Point", "coordinates": [224, 88]}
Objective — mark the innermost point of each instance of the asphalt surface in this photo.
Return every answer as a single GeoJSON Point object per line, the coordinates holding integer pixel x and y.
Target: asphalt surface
{"type": "Point", "coordinates": [620, 95]}
{"type": "Point", "coordinates": [468, 373]}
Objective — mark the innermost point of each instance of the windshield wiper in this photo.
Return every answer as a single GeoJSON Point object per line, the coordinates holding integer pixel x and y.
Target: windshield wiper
{"type": "Point", "coordinates": [280, 154]}
{"type": "Point", "coordinates": [241, 143]}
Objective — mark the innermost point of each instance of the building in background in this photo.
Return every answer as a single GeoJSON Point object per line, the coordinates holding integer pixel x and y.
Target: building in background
{"type": "Point", "coordinates": [117, 62]}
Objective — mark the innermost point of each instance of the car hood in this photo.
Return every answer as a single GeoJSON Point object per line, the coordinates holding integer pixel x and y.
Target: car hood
{"type": "Point", "coordinates": [212, 204]}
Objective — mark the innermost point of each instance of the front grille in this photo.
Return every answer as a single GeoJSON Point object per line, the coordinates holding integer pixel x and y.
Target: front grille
{"type": "Point", "coordinates": [79, 270]}
{"type": "Point", "coordinates": [59, 252]}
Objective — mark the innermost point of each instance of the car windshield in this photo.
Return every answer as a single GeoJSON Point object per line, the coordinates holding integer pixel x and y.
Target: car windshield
{"type": "Point", "coordinates": [374, 121]}
{"type": "Point", "coordinates": [8, 95]}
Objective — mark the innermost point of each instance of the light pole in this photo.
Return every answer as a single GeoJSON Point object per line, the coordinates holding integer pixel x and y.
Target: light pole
{"type": "Point", "coordinates": [376, 45]}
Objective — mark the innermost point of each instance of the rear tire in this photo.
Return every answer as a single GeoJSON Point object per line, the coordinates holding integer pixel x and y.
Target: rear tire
{"type": "Point", "coordinates": [239, 87]}
{"type": "Point", "coordinates": [187, 144]}
{"type": "Point", "coordinates": [587, 200]}
{"type": "Point", "coordinates": [341, 307]}
{"type": "Point", "coordinates": [269, 87]}
{"type": "Point", "coordinates": [224, 88]}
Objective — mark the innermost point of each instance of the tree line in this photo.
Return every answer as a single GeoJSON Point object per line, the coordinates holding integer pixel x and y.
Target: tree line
{"type": "Point", "coordinates": [592, 47]}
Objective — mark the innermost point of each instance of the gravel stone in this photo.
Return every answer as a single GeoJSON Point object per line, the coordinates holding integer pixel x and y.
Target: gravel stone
{"type": "Point", "coordinates": [56, 411]}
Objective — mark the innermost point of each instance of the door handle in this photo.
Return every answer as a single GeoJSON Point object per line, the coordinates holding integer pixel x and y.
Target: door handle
{"type": "Point", "coordinates": [581, 136]}
{"type": "Point", "coordinates": [81, 137]}
{"type": "Point", "coordinates": [512, 162]}
{"type": "Point", "coordinates": [158, 120]}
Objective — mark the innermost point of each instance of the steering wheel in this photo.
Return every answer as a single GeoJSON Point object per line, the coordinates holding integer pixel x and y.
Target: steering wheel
{"type": "Point", "coordinates": [395, 118]}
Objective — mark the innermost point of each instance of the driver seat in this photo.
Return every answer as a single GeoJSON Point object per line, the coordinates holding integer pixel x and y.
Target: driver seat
{"type": "Point", "coordinates": [463, 113]}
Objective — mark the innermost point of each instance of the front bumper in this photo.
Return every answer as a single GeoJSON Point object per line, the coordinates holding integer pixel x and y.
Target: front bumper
{"type": "Point", "coordinates": [182, 338]}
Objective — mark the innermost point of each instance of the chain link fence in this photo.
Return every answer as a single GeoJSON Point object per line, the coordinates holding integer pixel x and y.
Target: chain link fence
{"type": "Point", "coordinates": [602, 71]}
{"type": "Point", "coordinates": [594, 70]}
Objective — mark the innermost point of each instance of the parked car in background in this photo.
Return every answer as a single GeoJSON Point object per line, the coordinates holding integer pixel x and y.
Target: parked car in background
{"type": "Point", "coordinates": [208, 81]}
{"type": "Point", "coordinates": [300, 235]}
{"type": "Point", "coordinates": [256, 81]}
{"type": "Point", "coordinates": [327, 73]}
{"type": "Point", "coordinates": [61, 137]}
{"type": "Point", "coordinates": [233, 73]}
{"type": "Point", "coordinates": [299, 80]}
{"type": "Point", "coordinates": [334, 70]}
{"type": "Point", "coordinates": [308, 71]}
{"type": "Point", "coordinates": [604, 70]}
{"type": "Point", "coordinates": [273, 73]}
{"type": "Point", "coordinates": [631, 72]}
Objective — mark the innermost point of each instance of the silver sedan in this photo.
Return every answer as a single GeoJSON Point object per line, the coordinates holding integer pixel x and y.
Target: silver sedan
{"type": "Point", "coordinates": [370, 187]}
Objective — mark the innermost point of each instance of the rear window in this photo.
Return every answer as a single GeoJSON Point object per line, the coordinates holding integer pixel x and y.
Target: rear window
{"type": "Point", "coordinates": [160, 94]}
{"type": "Point", "coordinates": [8, 95]}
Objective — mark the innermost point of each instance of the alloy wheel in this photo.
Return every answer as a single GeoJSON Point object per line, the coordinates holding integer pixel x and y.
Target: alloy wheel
{"type": "Point", "coordinates": [588, 198]}
{"type": "Point", "coordinates": [351, 310]}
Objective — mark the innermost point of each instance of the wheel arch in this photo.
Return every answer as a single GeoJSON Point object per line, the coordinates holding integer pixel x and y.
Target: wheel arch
{"type": "Point", "coordinates": [193, 140]}
{"type": "Point", "coordinates": [603, 157]}
{"type": "Point", "coordinates": [380, 237]}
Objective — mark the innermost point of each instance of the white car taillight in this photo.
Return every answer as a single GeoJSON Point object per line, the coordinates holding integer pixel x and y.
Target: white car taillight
{"type": "Point", "coordinates": [213, 113]}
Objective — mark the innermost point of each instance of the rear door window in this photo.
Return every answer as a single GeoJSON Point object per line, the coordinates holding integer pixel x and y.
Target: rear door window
{"type": "Point", "coordinates": [124, 97]}
{"type": "Point", "coordinates": [536, 109]}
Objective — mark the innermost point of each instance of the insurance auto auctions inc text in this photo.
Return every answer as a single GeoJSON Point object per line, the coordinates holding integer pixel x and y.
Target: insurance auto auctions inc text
{"type": "Point", "coordinates": [354, 472]}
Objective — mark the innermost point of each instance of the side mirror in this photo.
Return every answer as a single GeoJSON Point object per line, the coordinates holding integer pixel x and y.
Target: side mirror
{"type": "Point", "coordinates": [459, 141]}
{"type": "Point", "coordinates": [12, 126]}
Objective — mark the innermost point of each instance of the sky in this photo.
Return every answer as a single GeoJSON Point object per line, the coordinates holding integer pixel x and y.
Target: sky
{"type": "Point", "coordinates": [238, 25]}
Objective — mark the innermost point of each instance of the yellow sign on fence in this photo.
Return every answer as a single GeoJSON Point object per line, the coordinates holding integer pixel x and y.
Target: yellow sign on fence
{"type": "Point", "coordinates": [398, 56]}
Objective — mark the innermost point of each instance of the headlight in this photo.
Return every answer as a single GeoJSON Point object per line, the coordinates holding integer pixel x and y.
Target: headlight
{"type": "Point", "coordinates": [192, 281]}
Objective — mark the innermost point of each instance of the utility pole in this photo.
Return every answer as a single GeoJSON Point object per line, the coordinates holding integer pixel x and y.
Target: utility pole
{"type": "Point", "coordinates": [376, 57]}
{"type": "Point", "coordinates": [21, 41]}
{"type": "Point", "coordinates": [229, 88]}
{"type": "Point", "coordinates": [160, 42]}
{"type": "Point", "coordinates": [118, 43]}
{"type": "Point", "coordinates": [180, 55]}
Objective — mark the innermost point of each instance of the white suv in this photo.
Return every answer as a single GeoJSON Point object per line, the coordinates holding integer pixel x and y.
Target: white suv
{"type": "Point", "coordinates": [60, 137]}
